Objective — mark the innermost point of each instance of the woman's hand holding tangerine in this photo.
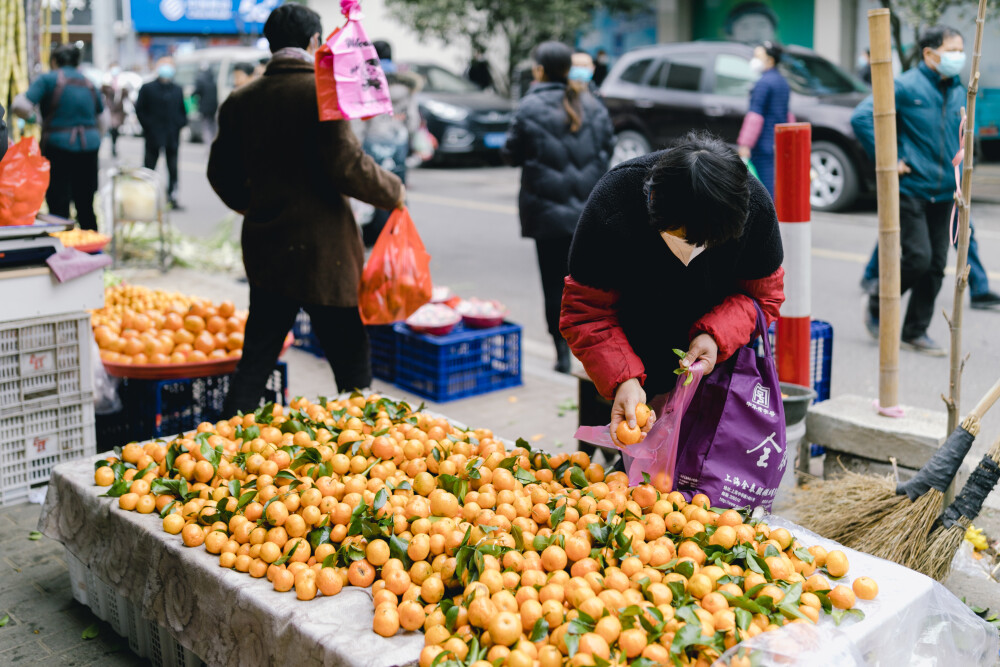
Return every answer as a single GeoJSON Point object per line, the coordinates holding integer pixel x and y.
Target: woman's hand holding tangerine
{"type": "Point", "coordinates": [704, 349]}
{"type": "Point", "coordinates": [628, 396]}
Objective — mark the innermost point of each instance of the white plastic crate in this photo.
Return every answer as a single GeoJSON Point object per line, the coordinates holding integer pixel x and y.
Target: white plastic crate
{"type": "Point", "coordinates": [44, 362]}
{"type": "Point", "coordinates": [146, 638]}
{"type": "Point", "coordinates": [33, 443]}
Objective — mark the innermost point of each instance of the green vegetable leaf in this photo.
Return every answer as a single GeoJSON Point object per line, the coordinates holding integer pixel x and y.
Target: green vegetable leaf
{"type": "Point", "coordinates": [578, 477]}
{"type": "Point", "coordinates": [5, 620]}
{"type": "Point", "coordinates": [284, 559]}
{"type": "Point", "coordinates": [540, 631]}
{"type": "Point", "coordinates": [234, 488]}
{"type": "Point", "coordinates": [743, 618]}
{"type": "Point", "coordinates": [91, 631]}
{"type": "Point", "coordinates": [839, 614]}
{"type": "Point", "coordinates": [803, 555]}
{"type": "Point", "coordinates": [34, 536]}
{"type": "Point", "coordinates": [118, 489]}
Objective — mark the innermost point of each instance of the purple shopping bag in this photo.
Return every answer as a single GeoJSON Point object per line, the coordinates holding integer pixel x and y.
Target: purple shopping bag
{"type": "Point", "coordinates": [733, 433]}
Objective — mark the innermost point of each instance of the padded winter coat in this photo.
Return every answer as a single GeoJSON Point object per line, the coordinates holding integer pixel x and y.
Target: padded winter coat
{"type": "Point", "coordinates": [928, 116]}
{"type": "Point", "coordinates": [559, 167]}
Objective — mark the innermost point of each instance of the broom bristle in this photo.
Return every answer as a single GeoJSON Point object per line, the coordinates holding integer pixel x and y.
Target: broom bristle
{"type": "Point", "coordinates": [902, 536]}
{"type": "Point", "coordinates": [845, 506]}
{"type": "Point", "coordinates": [942, 544]}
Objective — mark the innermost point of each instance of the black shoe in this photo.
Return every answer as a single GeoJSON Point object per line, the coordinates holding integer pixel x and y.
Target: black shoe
{"type": "Point", "coordinates": [924, 345]}
{"type": "Point", "coordinates": [174, 206]}
{"type": "Point", "coordinates": [870, 286]}
{"type": "Point", "coordinates": [562, 356]}
{"type": "Point", "coordinates": [871, 321]}
{"type": "Point", "coordinates": [988, 301]}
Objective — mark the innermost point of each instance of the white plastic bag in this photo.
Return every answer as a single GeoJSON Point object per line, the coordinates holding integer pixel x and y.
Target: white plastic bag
{"type": "Point", "coordinates": [106, 399]}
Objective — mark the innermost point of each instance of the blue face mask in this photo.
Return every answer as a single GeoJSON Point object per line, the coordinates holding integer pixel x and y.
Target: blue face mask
{"type": "Point", "coordinates": [951, 63]}
{"type": "Point", "coordinates": [166, 72]}
{"type": "Point", "coordinates": [580, 73]}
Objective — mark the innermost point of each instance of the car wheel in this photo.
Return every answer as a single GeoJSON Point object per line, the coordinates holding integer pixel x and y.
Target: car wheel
{"type": "Point", "coordinates": [629, 144]}
{"type": "Point", "coordinates": [834, 182]}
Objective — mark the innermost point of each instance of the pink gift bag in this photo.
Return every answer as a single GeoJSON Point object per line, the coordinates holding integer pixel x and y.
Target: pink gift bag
{"type": "Point", "coordinates": [350, 83]}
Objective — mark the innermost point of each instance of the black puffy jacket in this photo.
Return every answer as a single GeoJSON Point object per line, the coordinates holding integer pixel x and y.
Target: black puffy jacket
{"type": "Point", "coordinates": [560, 167]}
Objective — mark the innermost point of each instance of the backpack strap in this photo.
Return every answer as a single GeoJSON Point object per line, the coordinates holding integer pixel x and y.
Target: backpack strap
{"type": "Point", "coordinates": [77, 131]}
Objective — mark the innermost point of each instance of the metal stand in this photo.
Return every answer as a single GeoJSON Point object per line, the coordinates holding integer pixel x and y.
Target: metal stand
{"type": "Point", "coordinates": [117, 213]}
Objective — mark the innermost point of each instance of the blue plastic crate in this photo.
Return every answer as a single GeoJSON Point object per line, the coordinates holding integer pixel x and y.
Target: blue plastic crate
{"type": "Point", "coordinates": [157, 408]}
{"type": "Point", "coordinates": [466, 362]}
{"type": "Point", "coordinates": [820, 362]}
{"type": "Point", "coordinates": [383, 345]}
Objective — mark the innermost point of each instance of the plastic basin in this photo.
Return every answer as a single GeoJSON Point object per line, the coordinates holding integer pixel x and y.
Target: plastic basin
{"type": "Point", "coordinates": [796, 400]}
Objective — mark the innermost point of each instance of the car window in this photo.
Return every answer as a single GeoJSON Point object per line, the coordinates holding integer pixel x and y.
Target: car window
{"type": "Point", "coordinates": [439, 80]}
{"type": "Point", "coordinates": [733, 75]}
{"type": "Point", "coordinates": [684, 73]}
{"type": "Point", "coordinates": [635, 72]}
{"type": "Point", "coordinates": [813, 75]}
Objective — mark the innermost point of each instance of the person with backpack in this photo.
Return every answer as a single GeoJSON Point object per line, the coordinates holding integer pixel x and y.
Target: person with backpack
{"type": "Point", "coordinates": [71, 110]}
{"type": "Point", "coordinates": [561, 137]}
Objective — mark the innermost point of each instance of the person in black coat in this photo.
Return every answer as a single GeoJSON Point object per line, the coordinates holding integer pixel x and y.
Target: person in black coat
{"type": "Point", "coordinates": [160, 110]}
{"type": "Point", "coordinates": [562, 139]}
{"type": "Point", "coordinates": [207, 91]}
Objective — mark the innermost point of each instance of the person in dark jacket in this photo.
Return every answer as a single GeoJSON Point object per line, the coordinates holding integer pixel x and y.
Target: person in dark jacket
{"type": "Point", "coordinates": [479, 71]}
{"type": "Point", "coordinates": [562, 139]}
{"type": "Point", "coordinates": [601, 61]}
{"type": "Point", "coordinates": [71, 111]}
{"type": "Point", "coordinates": [671, 251]}
{"type": "Point", "coordinates": [768, 107]}
{"type": "Point", "coordinates": [929, 101]}
{"type": "Point", "coordinates": [160, 110]}
{"type": "Point", "coordinates": [207, 91]}
{"type": "Point", "coordinates": [301, 245]}
{"type": "Point", "coordinates": [114, 94]}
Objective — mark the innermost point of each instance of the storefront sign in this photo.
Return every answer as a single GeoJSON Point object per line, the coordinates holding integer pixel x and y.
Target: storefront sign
{"type": "Point", "coordinates": [206, 17]}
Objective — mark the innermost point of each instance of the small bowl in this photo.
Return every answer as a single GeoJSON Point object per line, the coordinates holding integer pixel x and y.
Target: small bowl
{"type": "Point", "coordinates": [441, 330]}
{"type": "Point", "coordinates": [796, 400]}
{"type": "Point", "coordinates": [478, 322]}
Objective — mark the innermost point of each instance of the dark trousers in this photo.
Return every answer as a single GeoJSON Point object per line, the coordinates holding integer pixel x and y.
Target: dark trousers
{"type": "Point", "coordinates": [72, 177]}
{"type": "Point", "coordinates": [764, 164]}
{"type": "Point", "coordinates": [924, 240]}
{"type": "Point", "coordinates": [553, 264]}
{"type": "Point", "coordinates": [341, 334]}
{"type": "Point", "coordinates": [153, 156]}
{"type": "Point", "coordinates": [114, 133]}
{"type": "Point", "coordinates": [979, 281]}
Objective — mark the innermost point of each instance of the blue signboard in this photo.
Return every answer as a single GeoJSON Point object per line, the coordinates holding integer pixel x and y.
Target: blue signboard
{"type": "Point", "coordinates": [205, 17]}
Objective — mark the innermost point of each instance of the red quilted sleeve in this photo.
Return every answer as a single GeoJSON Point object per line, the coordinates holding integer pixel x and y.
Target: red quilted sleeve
{"type": "Point", "coordinates": [732, 322]}
{"type": "Point", "coordinates": [589, 323]}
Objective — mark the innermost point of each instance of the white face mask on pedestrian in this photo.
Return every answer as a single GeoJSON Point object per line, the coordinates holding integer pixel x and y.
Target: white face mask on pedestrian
{"type": "Point", "coordinates": [681, 249]}
{"type": "Point", "coordinates": [756, 65]}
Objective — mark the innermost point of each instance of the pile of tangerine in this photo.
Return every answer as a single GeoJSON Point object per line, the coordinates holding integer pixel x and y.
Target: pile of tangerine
{"type": "Point", "coordinates": [139, 326]}
{"type": "Point", "coordinates": [500, 557]}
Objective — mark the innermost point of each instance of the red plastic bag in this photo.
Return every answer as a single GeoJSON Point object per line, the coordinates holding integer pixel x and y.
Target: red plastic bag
{"type": "Point", "coordinates": [397, 278]}
{"type": "Point", "coordinates": [24, 179]}
{"type": "Point", "coordinates": [350, 83]}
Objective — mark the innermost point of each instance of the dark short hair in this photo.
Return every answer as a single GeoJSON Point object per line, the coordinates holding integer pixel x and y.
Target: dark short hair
{"type": "Point", "coordinates": [700, 186]}
{"type": "Point", "coordinates": [246, 68]}
{"type": "Point", "coordinates": [773, 49]}
{"type": "Point", "coordinates": [933, 37]}
{"type": "Point", "coordinates": [383, 49]}
{"type": "Point", "coordinates": [291, 25]}
{"type": "Point", "coordinates": [66, 55]}
{"type": "Point", "coordinates": [555, 58]}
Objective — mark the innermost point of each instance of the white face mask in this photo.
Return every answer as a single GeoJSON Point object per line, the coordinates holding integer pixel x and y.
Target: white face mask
{"type": "Point", "coordinates": [756, 65]}
{"type": "Point", "coordinates": [682, 250]}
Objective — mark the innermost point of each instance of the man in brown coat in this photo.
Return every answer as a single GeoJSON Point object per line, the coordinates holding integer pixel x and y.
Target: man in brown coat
{"type": "Point", "coordinates": [301, 245]}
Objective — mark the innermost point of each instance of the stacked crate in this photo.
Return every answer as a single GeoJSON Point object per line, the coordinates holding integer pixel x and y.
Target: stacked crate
{"type": "Point", "coordinates": [46, 399]}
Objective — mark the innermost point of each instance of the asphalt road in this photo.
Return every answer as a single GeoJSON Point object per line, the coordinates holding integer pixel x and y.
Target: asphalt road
{"type": "Point", "coordinates": [467, 218]}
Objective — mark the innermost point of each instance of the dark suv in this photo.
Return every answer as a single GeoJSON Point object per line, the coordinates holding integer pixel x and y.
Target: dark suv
{"type": "Point", "coordinates": [658, 93]}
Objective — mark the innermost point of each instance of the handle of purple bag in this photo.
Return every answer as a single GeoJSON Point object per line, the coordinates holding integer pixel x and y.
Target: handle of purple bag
{"type": "Point", "coordinates": [761, 329]}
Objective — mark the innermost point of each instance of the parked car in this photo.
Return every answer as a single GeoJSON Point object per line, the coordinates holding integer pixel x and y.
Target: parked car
{"type": "Point", "coordinates": [463, 119]}
{"type": "Point", "coordinates": [220, 61]}
{"type": "Point", "coordinates": [658, 93]}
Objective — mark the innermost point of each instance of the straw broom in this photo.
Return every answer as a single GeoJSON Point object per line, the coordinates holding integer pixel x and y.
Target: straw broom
{"type": "Point", "coordinates": [942, 543]}
{"type": "Point", "coordinates": [872, 514]}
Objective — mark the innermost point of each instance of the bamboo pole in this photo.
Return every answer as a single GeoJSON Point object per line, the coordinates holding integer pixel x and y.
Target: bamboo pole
{"type": "Point", "coordinates": [64, 24]}
{"type": "Point", "coordinates": [887, 177]}
{"type": "Point", "coordinates": [954, 399]}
